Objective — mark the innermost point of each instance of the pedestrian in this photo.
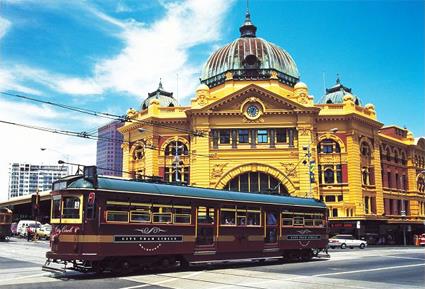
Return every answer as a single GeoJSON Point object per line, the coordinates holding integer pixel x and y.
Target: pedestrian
{"type": "Point", "coordinates": [28, 233]}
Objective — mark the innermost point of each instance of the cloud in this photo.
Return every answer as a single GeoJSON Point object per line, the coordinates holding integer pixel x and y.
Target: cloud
{"type": "Point", "coordinates": [162, 49]}
{"type": "Point", "coordinates": [13, 77]}
{"type": "Point", "coordinates": [4, 26]}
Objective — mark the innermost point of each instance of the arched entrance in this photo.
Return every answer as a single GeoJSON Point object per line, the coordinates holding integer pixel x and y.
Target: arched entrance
{"type": "Point", "coordinates": [256, 177]}
{"type": "Point", "coordinates": [255, 182]}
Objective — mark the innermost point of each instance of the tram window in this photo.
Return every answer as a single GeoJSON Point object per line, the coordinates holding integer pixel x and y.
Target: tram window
{"type": "Point", "coordinates": [308, 220]}
{"type": "Point", "coordinates": [287, 219]}
{"type": "Point", "coordinates": [182, 214]}
{"type": "Point", "coordinates": [205, 215]}
{"type": "Point", "coordinates": [241, 216]}
{"type": "Point", "coordinates": [117, 216]}
{"type": "Point", "coordinates": [162, 214]}
{"type": "Point", "coordinates": [228, 215]}
{"type": "Point", "coordinates": [142, 217]}
{"type": "Point", "coordinates": [298, 220]}
{"type": "Point", "coordinates": [56, 207]}
{"type": "Point", "coordinates": [253, 217]}
{"type": "Point", "coordinates": [71, 207]}
{"type": "Point", "coordinates": [318, 220]}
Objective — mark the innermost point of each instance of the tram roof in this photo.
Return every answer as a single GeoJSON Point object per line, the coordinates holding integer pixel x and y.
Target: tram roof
{"type": "Point", "coordinates": [123, 185]}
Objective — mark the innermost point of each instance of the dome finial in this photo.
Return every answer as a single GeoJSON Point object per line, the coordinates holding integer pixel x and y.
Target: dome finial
{"type": "Point", "coordinates": [338, 81]}
{"type": "Point", "coordinates": [248, 29]}
{"type": "Point", "coordinates": [160, 84]}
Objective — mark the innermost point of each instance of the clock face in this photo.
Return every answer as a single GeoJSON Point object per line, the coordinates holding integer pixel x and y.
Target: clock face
{"type": "Point", "coordinates": [252, 111]}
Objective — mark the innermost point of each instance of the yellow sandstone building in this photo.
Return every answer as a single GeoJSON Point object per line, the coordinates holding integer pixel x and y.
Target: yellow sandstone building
{"type": "Point", "coordinates": [252, 126]}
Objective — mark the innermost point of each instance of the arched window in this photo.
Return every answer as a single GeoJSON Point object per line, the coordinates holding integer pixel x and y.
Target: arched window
{"type": "Point", "coordinates": [421, 184]}
{"type": "Point", "coordinates": [388, 153]}
{"type": "Point", "coordinates": [139, 152]}
{"type": "Point", "coordinates": [365, 149]}
{"type": "Point", "coordinates": [396, 158]}
{"type": "Point", "coordinates": [329, 176]}
{"type": "Point", "coordinates": [403, 158]}
{"type": "Point", "coordinates": [328, 146]}
{"type": "Point", "coordinates": [176, 148]}
{"type": "Point", "coordinates": [256, 182]}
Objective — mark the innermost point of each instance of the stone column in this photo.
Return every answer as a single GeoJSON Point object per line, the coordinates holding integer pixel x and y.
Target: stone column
{"type": "Point", "coordinates": [378, 178]}
{"type": "Point", "coordinates": [200, 162]}
{"type": "Point", "coordinates": [305, 140]}
{"type": "Point", "coordinates": [355, 194]}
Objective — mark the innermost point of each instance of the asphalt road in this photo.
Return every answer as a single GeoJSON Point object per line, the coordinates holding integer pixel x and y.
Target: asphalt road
{"type": "Point", "coordinates": [395, 267]}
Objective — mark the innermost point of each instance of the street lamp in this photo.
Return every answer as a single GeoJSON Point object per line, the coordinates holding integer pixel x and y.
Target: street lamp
{"type": "Point", "coordinates": [67, 157]}
{"type": "Point", "coordinates": [310, 171]}
{"type": "Point", "coordinates": [311, 163]}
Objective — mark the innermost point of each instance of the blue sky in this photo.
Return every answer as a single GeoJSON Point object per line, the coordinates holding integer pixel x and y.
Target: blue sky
{"type": "Point", "coordinates": [106, 55]}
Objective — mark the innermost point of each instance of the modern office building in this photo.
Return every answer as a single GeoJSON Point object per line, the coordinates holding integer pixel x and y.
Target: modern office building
{"type": "Point", "coordinates": [252, 126]}
{"type": "Point", "coordinates": [26, 179]}
{"type": "Point", "coordinates": [109, 151]}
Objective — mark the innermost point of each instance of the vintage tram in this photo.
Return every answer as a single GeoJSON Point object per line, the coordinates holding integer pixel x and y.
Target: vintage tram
{"type": "Point", "coordinates": [5, 223]}
{"type": "Point", "coordinates": [103, 223]}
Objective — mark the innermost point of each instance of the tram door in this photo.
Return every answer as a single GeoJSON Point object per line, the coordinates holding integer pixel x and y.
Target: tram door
{"type": "Point", "coordinates": [271, 229]}
{"type": "Point", "coordinates": [205, 227]}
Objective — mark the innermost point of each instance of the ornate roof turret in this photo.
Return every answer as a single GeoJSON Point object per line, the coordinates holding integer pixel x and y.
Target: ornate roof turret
{"type": "Point", "coordinates": [165, 98]}
{"type": "Point", "coordinates": [335, 94]}
{"type": "Point", "coordinates": [248, 29]}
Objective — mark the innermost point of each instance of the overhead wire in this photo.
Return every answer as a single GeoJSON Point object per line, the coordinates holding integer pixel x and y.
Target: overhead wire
{"type": "Point", "coordinates": [86, 135]}
{"type": "Point", "coordinates": [122, 118]}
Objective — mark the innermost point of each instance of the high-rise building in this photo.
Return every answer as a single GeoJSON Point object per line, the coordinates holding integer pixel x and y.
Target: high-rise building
{"type": "Point", "coordinates": [109, 151]}
{"type": "Point", "coordinates": [26, 179]}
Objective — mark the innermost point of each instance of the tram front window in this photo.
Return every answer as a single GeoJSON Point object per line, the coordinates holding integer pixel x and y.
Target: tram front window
{"type": "Point", "coordinates": [56, 207]}
{"type": "Point", "coordinates": [71, 208]}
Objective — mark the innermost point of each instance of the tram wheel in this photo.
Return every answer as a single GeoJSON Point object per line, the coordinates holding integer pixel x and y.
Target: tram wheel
{"type": "Point", "coordinates": [168, 262]}
{"type": "Point", "coordinates": [306, 255]}
{"type": "Point", "coordinates": [184, 264]}
{"type": "Point", "coordinates": [122, 267]}
{"type": "Point", "coordinates": [98, 268]}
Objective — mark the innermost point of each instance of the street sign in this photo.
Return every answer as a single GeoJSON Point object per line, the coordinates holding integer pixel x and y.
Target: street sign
{"type": "Point", "coordinates": [358, 225]}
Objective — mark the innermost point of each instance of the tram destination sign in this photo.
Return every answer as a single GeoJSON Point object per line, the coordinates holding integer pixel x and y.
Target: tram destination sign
{"type": "Point", "coordinates": [303, 237]}
{"type": "Point", "coordinates": [147, 239]}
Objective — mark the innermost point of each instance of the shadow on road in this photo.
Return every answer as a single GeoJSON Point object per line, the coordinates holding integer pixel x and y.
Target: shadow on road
{"type": "Point", "coordinates": [71, 275]}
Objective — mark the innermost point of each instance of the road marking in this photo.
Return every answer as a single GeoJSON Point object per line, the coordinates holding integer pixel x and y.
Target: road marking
{"type": "Point", "coordinates": [19, 270]}
{"type": "Point", "coordinates": [24, 277]}
{"type": "Point", "coordinates": [160, 282]}
{"type": "Point", "coordinates": [296, 279]}
{"type": "Point", "coordinates": [368, 270]}
{"type": "Point", "coordinates": [399, 257]}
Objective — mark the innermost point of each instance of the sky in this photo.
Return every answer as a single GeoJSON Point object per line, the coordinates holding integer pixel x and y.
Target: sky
{"type": "Point", "coordinates": [107, 55]}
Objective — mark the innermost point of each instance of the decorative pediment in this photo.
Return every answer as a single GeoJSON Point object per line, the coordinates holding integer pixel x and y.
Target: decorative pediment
{"type": "Point", "coordinates": [266, 101]}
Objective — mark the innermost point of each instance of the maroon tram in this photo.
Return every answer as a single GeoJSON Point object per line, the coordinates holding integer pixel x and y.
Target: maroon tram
{"type": "Point", "coordinates": [5, 223]}
{"type": "Point", "coordinates": [102, 223]}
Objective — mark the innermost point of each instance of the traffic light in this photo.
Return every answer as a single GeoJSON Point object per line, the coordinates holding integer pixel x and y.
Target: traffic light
{"type": "Point", "coordinates": [35, 205]}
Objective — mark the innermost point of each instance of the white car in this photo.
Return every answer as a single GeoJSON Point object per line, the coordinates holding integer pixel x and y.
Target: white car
{"type": "Point", "coordinates": [345, 241]}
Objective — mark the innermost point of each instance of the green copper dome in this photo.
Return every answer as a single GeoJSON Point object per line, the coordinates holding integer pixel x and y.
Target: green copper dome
{"type": "Point", "coordinates": [165, 98]}
{"type": "Point", "coordinates": [249, 58]}
{"type": "Point", "coordinates": [335, 94]}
